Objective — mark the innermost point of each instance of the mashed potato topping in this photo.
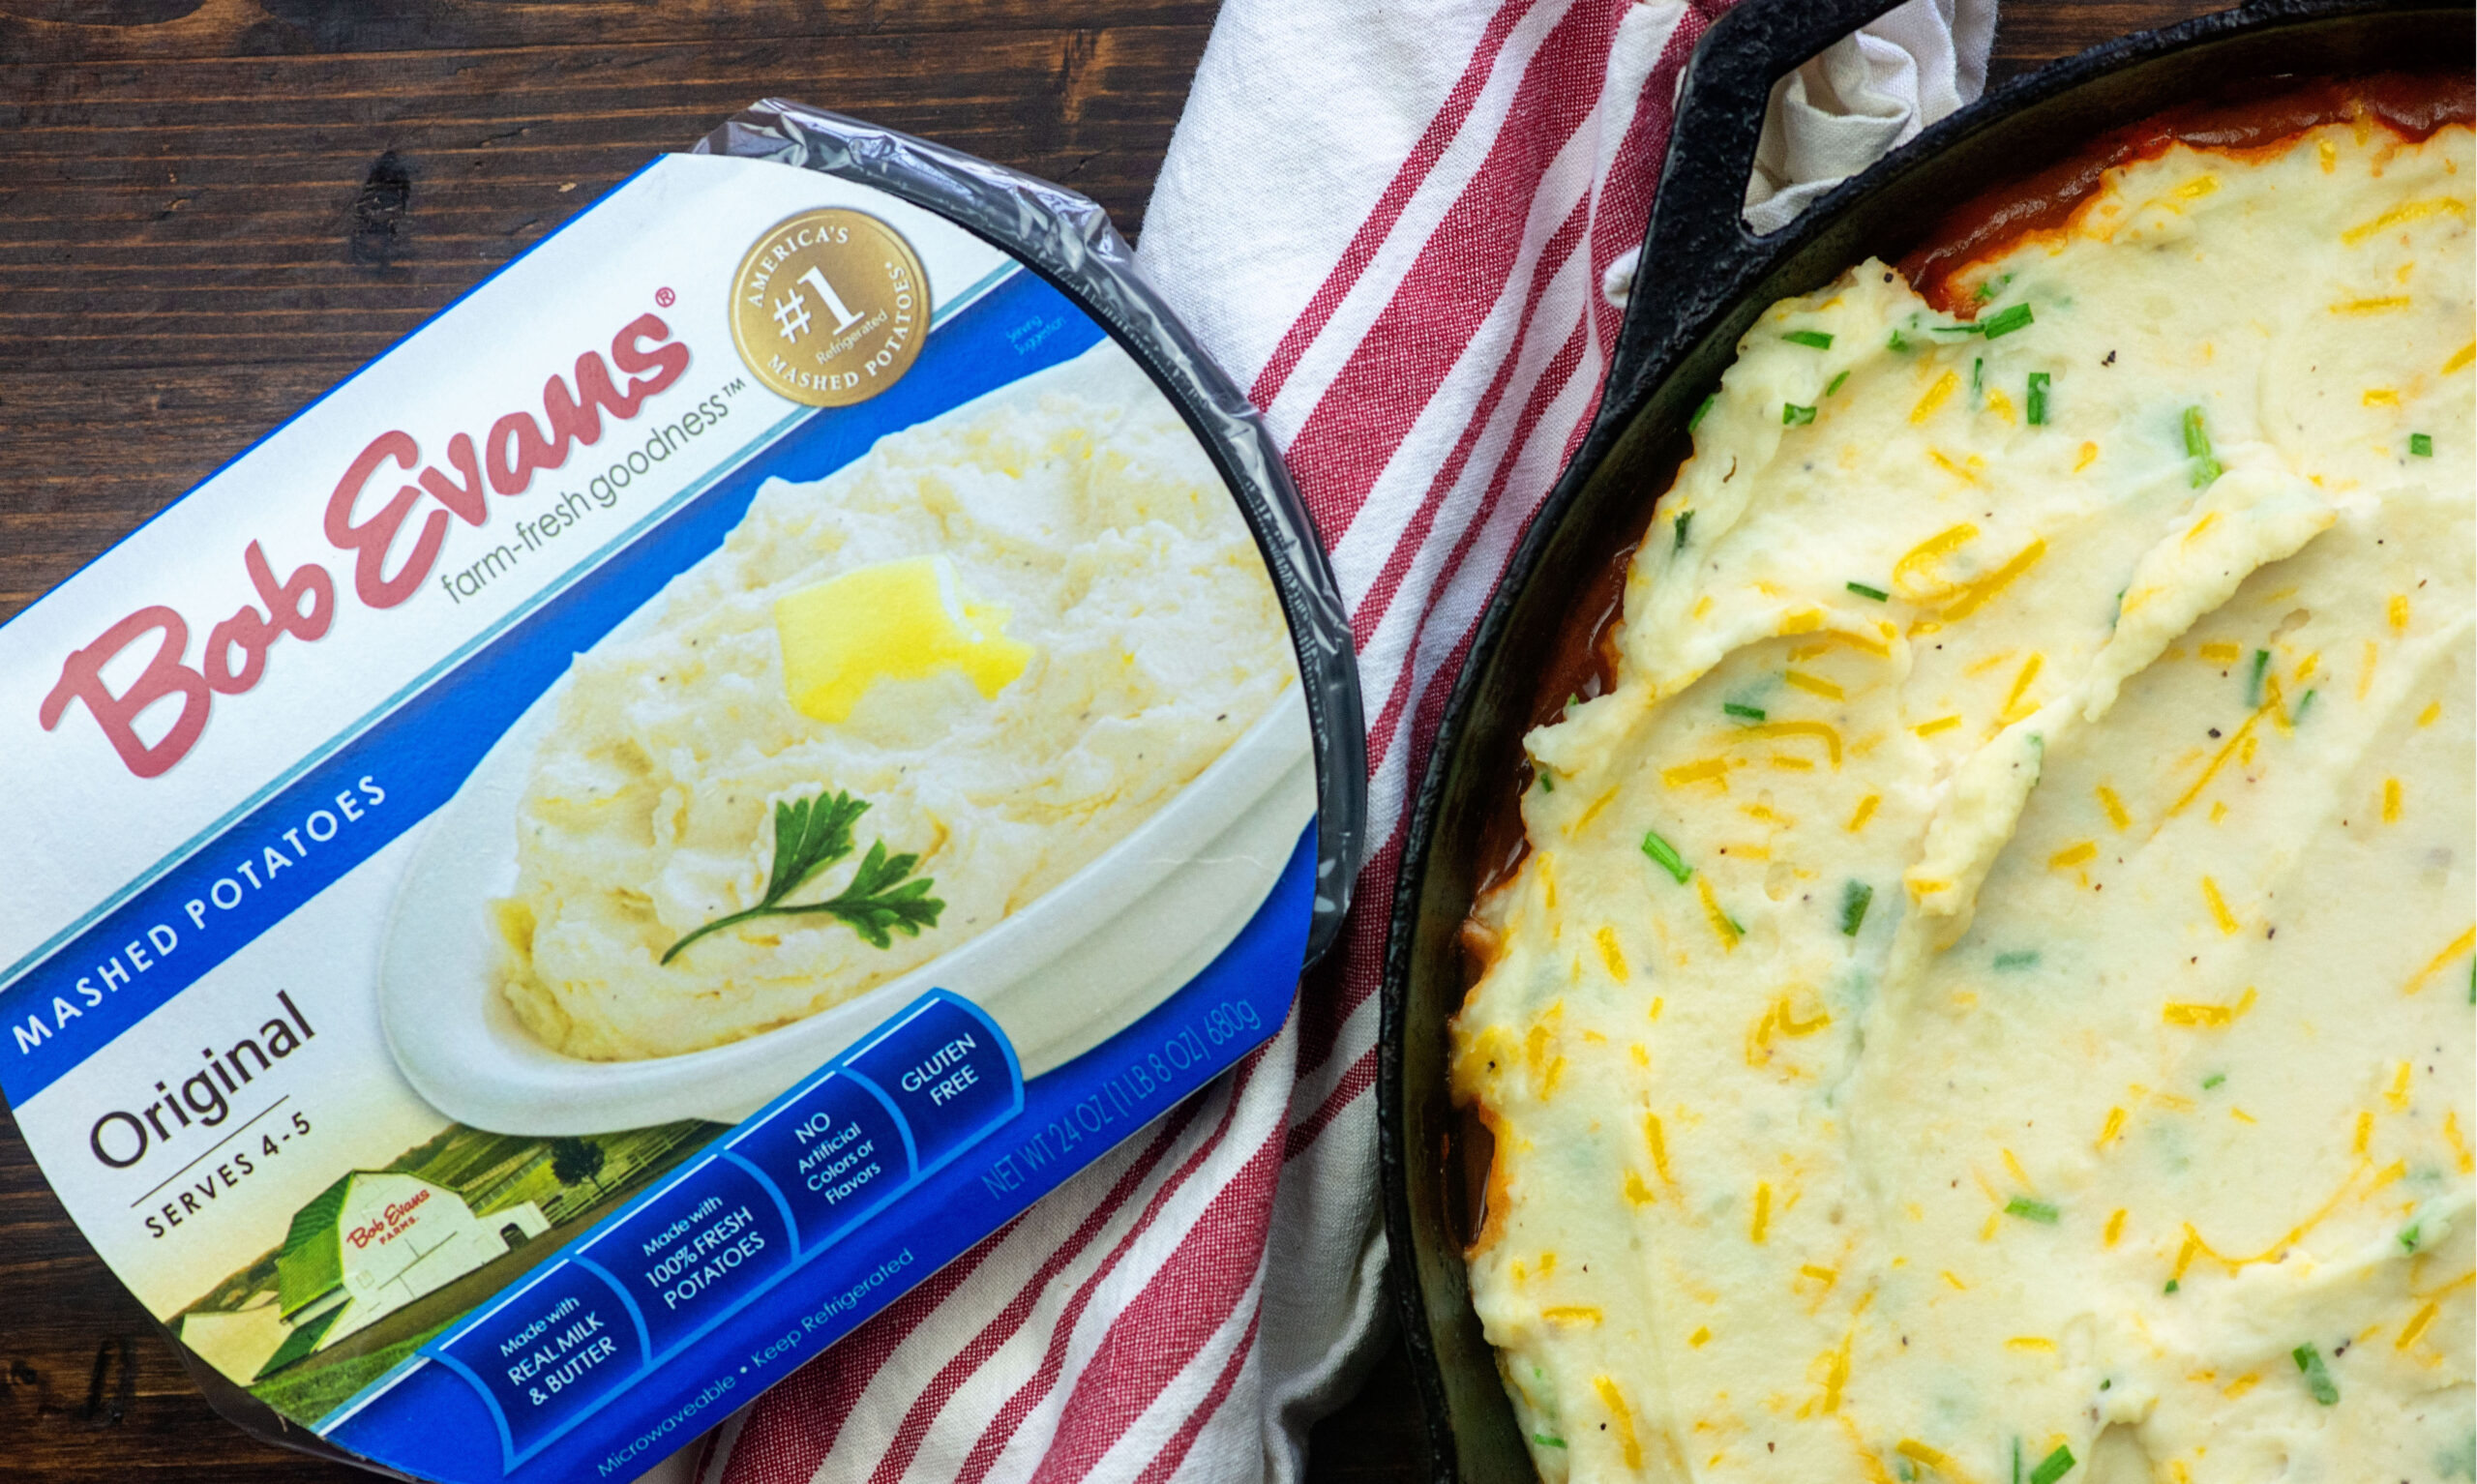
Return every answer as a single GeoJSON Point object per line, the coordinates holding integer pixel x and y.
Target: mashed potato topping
{"type": "Point", "coordinates": [1018, 629]}
{"type": "Point", "coordinates": [1989, 996]}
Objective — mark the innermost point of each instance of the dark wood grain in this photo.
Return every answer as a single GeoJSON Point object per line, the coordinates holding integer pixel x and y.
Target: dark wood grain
{"type": "Point", "coordinates": [206, 221]}
{"type": "Point", "coordinates": [212, 210]}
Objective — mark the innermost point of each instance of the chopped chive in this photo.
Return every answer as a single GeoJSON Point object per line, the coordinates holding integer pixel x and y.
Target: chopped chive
{"type": "Point", "coordinates": [2408, 1236]}
{"type": "Point", "coordinates": [1664, 856]}
{"type": "Point", "coordinates": [1791, 412]}
{"type": "Point", "coordinates": [2213, 1080]}
{"type": "Point", "coordinates": [1863, 591]}
{"type": "Point", "coordinates": [2054, 1466]}
{"type": "Point", "coordinates": [1750, 713]}
{"type": "Point", "coordinates": [2196, 436]}
{"type": "Point", "coordinates": [2317, 1376]}
{"type": "Point", "coordinates": [1986, 291]}
{"type": "Point", "coordinates": [2254, 681]}
{"type": "Point", "coordinates": [1896, 342]}
{"type": "Point", "coordinates": [1696, 421]}
{"type": "Point", "coordinates": [2008, 320]}
{"type": "Point", "coordinates": [1546, 1441]}
{"type": "Point", "coordinates": [2302, 703]}
{"type": "Point", "coordinates": [2206, 467]}
{"type": "Point", "coordinates": [1685, 519]}
{"type": "Point", "coordinates": [1547, 784]}
{"type": "Point", "coordinates": [1854, 900]}
{"type": "Point", "coordinates": [2028, 1210]}
{"type": "Point", "coordinates": [2027, 957]}
{"type": "Point", "coordinates": [2171, 1287]}
{"type": "Point", "coordinates": [1815, 338]}
{"type": "Point", "coordinates": [1957, 329]}
{"type": "Point", "coordinates": [2037, 414]}
{"type": "Point", "coordinates": [2016, 1460]}
{"type": "Point", "coordinates": [2421, 444]}
{"type": "Point", "coordinates": [1833, 385]}
{"type": "Point", "coordinates": [1978, 378]}
{"type": "Point", "coordinates": [2472, 981]}
{"type": "Point", "coordinates": [1735, 926]}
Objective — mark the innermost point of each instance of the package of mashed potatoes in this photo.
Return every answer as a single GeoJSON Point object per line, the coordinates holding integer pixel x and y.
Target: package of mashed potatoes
{"type": "Point", "coordinates": [783, 725]}
{"type": "Point", "coordinates": [1990, 996]}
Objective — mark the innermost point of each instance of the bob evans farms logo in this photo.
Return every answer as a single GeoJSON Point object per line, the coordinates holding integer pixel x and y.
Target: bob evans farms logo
{"type": "Point", "coordinates": [392, 1223]}
{"type": "Point", "coordinates": [368, 526]}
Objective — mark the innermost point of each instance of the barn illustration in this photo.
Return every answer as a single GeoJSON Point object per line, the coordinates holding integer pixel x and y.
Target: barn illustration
{"type": "Point", "coordinates": [371, 1244]}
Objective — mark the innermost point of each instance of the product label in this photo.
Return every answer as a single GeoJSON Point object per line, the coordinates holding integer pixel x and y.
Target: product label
{"type": "Point", "coordinates": [629, 833]}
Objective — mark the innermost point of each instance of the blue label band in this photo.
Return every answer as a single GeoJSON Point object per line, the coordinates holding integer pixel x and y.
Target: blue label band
{"type": "Point", "coordinates": [564, 1345]}
{"type": "Point", "coordinates": [836, 1151]}
{"type": "Point", "coordinates": [707, 1242]}
{"type": "Point", "coordinates": [714, 1241]}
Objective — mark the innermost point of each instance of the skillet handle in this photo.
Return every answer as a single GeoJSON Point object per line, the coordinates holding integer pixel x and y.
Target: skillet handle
{"type": "Point", "coordinates": [1697, 253]}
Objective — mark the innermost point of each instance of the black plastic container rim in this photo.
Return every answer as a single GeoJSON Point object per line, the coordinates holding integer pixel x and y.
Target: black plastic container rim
{"type": "Point", "coordinates": [1697, 218]}
{"type": "Point", "coordinates": [1067, 240]}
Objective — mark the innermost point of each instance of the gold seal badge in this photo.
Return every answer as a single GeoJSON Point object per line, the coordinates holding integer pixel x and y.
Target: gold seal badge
{"type": "Point", "coordinates": [829, 307]}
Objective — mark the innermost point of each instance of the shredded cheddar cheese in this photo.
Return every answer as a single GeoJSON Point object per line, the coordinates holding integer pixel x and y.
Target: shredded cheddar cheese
{"type": "Point", "coordinates": [1936, 396]}
{"type": "Point", "coordinates": [2219, 913]}
{"type": "Point", "coordinates": [2407, 212]}
{"type": "Point", "coordinates": [2114, 806]}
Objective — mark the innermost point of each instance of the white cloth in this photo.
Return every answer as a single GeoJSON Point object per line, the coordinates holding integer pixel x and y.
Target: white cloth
{"type": "Point", "coordinates": [1864, 96]}
{"type": "Point", "coordinates": [1868, 94]}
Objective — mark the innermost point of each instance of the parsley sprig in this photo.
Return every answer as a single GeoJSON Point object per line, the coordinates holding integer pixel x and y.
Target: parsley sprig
{"type": "Point", "coordinates": [810, 835]}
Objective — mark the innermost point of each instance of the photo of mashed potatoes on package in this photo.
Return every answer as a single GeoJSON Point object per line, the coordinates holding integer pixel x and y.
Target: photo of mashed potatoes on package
{"type": "Point", "coordinates": [900, 704]}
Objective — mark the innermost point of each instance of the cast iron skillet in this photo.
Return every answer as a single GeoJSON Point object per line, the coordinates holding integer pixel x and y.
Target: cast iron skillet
{"type": "Point", "coordinates": [1679, 333]}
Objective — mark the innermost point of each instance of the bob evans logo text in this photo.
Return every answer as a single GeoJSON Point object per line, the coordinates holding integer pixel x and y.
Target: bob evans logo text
{"type": "Point", "coordinates": [392, 1223]}
{"type": "Point", "coordinates": [393, 540]}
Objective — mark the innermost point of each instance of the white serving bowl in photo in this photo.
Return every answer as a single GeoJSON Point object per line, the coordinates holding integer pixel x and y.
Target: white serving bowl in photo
{"type": "Point", "coordinates": [1077, 965]}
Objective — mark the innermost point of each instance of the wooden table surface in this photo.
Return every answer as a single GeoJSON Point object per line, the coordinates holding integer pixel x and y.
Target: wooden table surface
{"type": "Point", "coordinates": [212, 210]}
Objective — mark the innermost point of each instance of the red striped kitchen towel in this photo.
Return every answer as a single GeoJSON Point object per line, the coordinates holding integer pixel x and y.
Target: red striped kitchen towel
{"type": "Point", "coordinates": [1407, 228]}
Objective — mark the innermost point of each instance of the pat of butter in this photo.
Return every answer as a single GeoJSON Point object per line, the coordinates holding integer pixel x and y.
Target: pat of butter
{"type": "Point", "coordinates": [898, 620]}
